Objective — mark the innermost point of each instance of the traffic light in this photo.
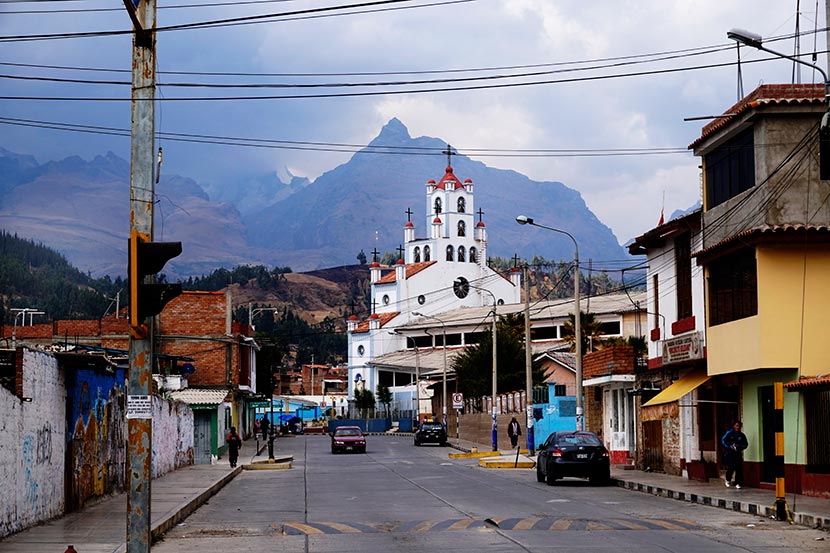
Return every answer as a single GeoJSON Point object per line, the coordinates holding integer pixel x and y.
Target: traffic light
{"type": "Point", "coordinates": [148, 258]}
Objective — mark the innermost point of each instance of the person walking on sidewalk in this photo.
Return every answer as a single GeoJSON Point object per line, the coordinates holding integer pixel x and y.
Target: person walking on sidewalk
{"type": "Point", "coordinates": [263, 425]}
{"type": "Point", "coordinates": [734, 442]}
{"type": "Point", "coordinates": [514, 431]}
{"type": "Point", "coordinates": [234, 443]}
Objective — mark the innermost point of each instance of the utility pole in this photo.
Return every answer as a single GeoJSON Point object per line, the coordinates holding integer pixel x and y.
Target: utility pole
{"type": "Point", "coordinates": [142, 190]}
{"type": "Point", "coordinates": [531, 444]}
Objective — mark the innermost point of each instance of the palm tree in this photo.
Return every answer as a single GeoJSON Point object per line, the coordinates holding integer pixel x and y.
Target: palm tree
{"type": "Point", "coordinates": [591, 330]}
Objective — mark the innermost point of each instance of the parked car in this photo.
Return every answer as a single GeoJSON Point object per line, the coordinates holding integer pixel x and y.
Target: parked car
{"type": "Point", "coordinates": [348, 438]}
{"type": "Point", "coordinates": [570, 453]}
{"type": "Point", "coordinates": [431, 432]}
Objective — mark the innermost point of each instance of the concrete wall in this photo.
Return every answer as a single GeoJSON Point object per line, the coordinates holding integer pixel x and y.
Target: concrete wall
{"type": "Point", "coordinates": [172, 436]}
{"type": "Point", "coordinates": [32, 444]}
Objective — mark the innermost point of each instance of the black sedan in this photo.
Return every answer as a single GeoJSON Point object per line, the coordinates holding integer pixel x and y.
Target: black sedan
{"type": "Point", "coordinates": [431, 432]}
{"type": "Point", "coordinates": [570, 453]}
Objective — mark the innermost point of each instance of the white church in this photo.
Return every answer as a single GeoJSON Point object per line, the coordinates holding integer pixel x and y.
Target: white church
{"type": "Point", "coordinates": [442, 272]}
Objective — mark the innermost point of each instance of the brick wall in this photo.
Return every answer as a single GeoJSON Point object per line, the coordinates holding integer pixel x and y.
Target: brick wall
{"type": "Point", "coordinates": [478, 428]}
{"type": "Point", "coordinates": [610, 360]}
{"type": "Point", "coordinates": [72, 328]}
{"type": "Point", "coordinates": [195, 314]}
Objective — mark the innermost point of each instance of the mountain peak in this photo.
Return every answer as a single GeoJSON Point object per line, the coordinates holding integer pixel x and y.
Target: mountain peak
{"type": "Point", "coordinates": [393, 132]}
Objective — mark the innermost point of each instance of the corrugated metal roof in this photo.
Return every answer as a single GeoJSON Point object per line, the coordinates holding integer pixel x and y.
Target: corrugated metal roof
{"type": "Point", "coordinates": [200, 396]}
{"type": "Point", "coordinates": [809, 382]}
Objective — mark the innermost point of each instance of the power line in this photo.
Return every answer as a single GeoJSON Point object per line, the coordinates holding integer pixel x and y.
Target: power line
{"type": "Point", "coordinates": [98, 10]}
{"type": "Point", "coordinates": [335, 146]}
{"type": "Point", "coordinates": [310, 13]}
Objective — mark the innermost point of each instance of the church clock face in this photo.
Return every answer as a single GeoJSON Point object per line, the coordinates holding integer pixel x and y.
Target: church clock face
{"type": "Point", "coordinates": [461, 287]}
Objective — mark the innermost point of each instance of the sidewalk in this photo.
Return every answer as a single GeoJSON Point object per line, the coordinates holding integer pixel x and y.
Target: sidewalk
{"type": "Point", "coordinates": [101, 526]}
{"type": "Point", "coordinates": [804, 510]}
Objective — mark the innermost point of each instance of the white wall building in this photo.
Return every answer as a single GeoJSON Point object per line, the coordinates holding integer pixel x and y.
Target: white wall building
{"type": "Point", "coordinates": [443, 271]}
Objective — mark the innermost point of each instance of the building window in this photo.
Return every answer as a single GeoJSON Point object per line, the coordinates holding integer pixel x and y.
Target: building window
{"type": "Point", "coordinates": [730, 169]}
{"type": "Point", "coordinates": [450, 253]}
{"type": "Point", "coordinates": [655, 291]}
{"type": "Point", "coordinates": [461, 254]}
{"type": "Point", "coordinates": [473, 255]}
{"type": "Point", "coordinates": [417, 254]}
{"type": "Point", "coordinates": [462, 205]}
{"type": "Point", "coordinates": [426, 253]}
{"type": "Point", "coordinates": [733, 287]}
{"type": "Point", "coordinates": [437, 205]}
{"type": "Point", "coordinates": [386, 299]}
{"type": "Point", "coordinates": [610, 329]}
{"type": "Point", "coordinates": [360, 350]}
{"type": "Point", "coordinates": [683, 266]}
{"type": "Point", "coordinates": [462, 228]}
{"type": "Point", "coordinates": [559, 390]}
{"type": "Point", "coordinates": [422, 299]}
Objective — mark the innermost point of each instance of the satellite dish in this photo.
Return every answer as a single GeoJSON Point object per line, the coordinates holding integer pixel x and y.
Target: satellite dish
{"type": "Point", "coordinates": [188, 368]}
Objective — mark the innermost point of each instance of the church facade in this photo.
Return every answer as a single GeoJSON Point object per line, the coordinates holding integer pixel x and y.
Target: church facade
{"type": "Point", "coordinates": [444, 270]}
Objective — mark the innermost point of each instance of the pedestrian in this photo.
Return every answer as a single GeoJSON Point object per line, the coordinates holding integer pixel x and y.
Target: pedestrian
{"type": "Point", "coordinates": [514, 431]}
{"type": "Point", "coordinates": [234, 443]}
{"type": "Point", "coordinates": [734, 443]}
{"type": "Point", "coordinates": [263, 425]}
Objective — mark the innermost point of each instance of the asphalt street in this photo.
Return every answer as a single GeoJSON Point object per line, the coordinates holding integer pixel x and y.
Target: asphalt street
{"type": "Point", "coordinates": [397, 497]}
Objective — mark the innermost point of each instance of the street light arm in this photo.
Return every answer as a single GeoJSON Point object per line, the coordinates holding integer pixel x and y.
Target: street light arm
{"type": "Point", "coordinates": [754, 40]}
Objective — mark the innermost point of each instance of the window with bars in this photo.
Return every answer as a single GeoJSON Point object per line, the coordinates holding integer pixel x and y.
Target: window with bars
{"type": "Point", "coordinates": [730, 169]}
{"type": "Point", "coordinates": [817, 409]}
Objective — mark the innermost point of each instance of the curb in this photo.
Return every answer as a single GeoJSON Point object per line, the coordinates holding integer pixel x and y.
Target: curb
{"type": "Point", "coordinates": [767, 511]}
{"type": "Point", "coordinates": [185, 509]}
{"type": "Point", "coordinates": [506, 464]}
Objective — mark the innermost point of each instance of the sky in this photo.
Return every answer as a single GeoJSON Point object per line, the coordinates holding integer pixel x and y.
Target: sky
{"type": "Point", "coordinates": [581, 54]}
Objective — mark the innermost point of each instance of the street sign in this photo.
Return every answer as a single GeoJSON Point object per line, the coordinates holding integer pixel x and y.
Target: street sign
{"type": "Point", "coordinates": [458, 401]}
{"type": "Point", "coordinates": [258, 404]}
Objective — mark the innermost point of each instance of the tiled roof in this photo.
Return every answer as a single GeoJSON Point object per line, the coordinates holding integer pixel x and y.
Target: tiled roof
{"type": "Point", "coordinates": [384, 318]}
{"type": "Point", "coordinates": [449, 181]}
{"type": "Point", "coordinates": [200, 396]}
{"type": "Point", "coordinates": [656, 236]}
{"type": "Point", "coordinates": [765, 95]}
{"type": "Point", "coordinates": [809, 382]}
{"type": "Point", "coordinates": [765, 230]}
{"type": "Point", "coordinates": [411, 270]}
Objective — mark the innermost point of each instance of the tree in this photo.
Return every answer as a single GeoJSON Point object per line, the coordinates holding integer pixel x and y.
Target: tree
{"type": "Point", "coordinates": [473, 367]}
{"type": "Point", "coordinates": [361, 257]}
{"type": "Point", "coordinates": [384, 396]}
{"type": "Point", "coordinates": [591, 330]}
{"type": "Point", "coordinates": [364, 400]}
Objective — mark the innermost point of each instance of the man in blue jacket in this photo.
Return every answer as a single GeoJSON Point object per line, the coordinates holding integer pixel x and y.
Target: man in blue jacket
{"type": "Point", "coordinates": [734, 442]}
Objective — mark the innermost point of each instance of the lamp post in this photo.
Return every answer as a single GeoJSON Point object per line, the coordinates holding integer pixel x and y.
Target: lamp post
{"type": "Point", "coordinates": [524, 220]}
{"type": "Point", "coordinates": [495, 390]}
{"type": "Point", "coordinates": [444, 341]}
{"type": "Point", "coordinates": [271, 433]}
{"type": "Point", "coordinates": [531, 439]}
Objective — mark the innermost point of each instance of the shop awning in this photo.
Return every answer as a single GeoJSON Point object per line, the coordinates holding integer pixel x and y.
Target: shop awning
{"type": "Point", "coordinates": [680, 388]}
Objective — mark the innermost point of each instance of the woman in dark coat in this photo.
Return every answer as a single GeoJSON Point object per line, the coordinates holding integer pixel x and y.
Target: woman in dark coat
{"type": "Point", "coordinates": [234, 443]}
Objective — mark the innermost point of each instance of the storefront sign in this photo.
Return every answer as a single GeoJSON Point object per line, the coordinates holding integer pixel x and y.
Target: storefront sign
{"type": "Point", "coordinates": [682, 348]}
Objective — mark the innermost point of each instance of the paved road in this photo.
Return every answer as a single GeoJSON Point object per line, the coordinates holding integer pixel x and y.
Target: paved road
{"type": "Point", "coordinates": [400, 498]}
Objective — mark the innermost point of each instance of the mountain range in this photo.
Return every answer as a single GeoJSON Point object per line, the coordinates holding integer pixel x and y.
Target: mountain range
{"type": "Point", "coordinates": [81, 209]}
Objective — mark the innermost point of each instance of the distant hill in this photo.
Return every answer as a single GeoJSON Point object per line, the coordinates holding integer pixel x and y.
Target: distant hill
{"type": "Point", "coordinates": [81, 208]}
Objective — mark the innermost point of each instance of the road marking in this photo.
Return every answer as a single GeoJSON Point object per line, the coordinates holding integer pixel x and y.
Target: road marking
{"type": "Point", "coordinates": [545, 524]}
{"type": "Point", "coordinates": [558, 501]}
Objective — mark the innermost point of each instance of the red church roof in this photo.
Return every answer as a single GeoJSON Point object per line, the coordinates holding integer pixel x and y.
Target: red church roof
{"type": "Point", "coordinates": [449, 181]}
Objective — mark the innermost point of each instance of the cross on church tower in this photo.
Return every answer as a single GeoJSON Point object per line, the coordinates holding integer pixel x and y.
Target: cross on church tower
{"type": "Point", "coordinates": [400, 251]}
{"type": "Point", "coordinates": [480, 214]}
{"type": "Point", "coordinates": [375, 254]}
{"type": "Point", "coordinates": [515, 260]}
{"type": "Point", "coordinates": [408, 215]}
{"type": "Point", "coordinates": [449, 153]}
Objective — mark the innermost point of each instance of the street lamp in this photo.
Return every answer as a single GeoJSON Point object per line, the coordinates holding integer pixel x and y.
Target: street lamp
{"type": "Point", "coordinates": [495, 363]}
{"type": "Point", "coordinates": [524, 220]}
{"type": "Point", "coordinates": [755, 41]}
{"type": "Point", "coordinates": [444, 340]}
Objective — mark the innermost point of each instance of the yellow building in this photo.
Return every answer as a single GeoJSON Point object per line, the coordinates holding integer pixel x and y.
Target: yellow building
{"type": "Point", "coordinates": [766, 257]}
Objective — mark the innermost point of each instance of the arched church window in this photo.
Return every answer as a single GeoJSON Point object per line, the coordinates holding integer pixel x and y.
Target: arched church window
{"type": "Point", "coordinates": [450, 253]}
{"type": "Point", "coordinates": [426, 253]}
{"type": "Point", "coordinates": [461, 254]}
{"type": "Point", "coordinates": [462, 205]}
{"type": "Point", "coordinates": [462, 228]}
{"type": "Point", "coordinates": [417, 254]}
{"type": "Point", "coordinates": [437, 205]}
{"type": "Point", "coordinates": [473, 255]}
